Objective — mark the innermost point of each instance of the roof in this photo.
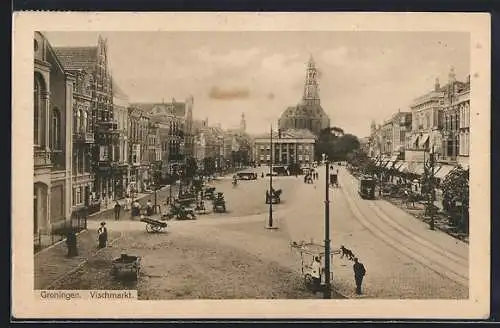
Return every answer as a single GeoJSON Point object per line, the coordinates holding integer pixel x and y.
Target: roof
{"type": "Point", "coordinates": [77, 57]}
{"type": "Point", "coordinates": [290, 133]}
{"type": "Point", "coordinates": [179, 107]}
{"type": "Point", "coordinates": [304, 110]}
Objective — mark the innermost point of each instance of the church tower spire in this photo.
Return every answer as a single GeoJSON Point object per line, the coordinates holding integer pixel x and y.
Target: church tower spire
{"type": "Point", "coordinates": [243, 123]}
{"type": "Point", "coordinates": [311, 87]}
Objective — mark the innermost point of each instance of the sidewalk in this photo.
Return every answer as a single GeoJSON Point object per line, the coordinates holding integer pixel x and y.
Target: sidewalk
{"type": "Point", "coordinates": [51, 263]}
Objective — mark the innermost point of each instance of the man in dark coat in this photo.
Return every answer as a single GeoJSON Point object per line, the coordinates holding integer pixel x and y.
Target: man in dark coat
{"type": "Point", "coordinates": [117, 209]}
{"type": "Point", "coordinates": [359, 273]}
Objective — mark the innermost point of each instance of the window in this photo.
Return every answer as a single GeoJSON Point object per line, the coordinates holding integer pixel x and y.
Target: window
{"type": "Point", "coordinates": [268, 157]}
{"type": "Point", "coordinates": [84, 121]}
{"type": "Point", "coordinates": [56, 129]}
{"type": "Point", "coordinates": [262, 147]}
{"type": "Point", "coordinates": [300, 157]}
{"type": "Point", "coordinates": [261, 157]}
{"type": "Point", "coordinates": [306, 158]}
{"type": "Point", "coordinates": [37, 115]}
{"type": "Point", "coordinates": [103, 153]}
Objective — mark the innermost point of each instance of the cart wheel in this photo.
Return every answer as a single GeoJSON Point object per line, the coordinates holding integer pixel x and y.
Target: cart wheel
{"type": "Point", "coordinates": [308, 281]}
{"type": "Point", "coordinates": [149, 227]}
{"type": "Point", "coordinates": [156, 228]}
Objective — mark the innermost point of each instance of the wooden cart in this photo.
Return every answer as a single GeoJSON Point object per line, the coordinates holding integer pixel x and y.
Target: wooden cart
{"type": "Point", "coordinates": [126, 266]}
{"type": "Point", "coordinates": [153, 225]}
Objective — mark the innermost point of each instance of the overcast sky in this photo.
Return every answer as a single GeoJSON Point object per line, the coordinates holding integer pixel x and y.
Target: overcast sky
{"type": "Point", "coordinates": [363, 75]}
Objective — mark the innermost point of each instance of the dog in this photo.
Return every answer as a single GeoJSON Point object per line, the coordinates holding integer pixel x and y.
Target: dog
{"type": "Point", "coordinates": [347, 253]}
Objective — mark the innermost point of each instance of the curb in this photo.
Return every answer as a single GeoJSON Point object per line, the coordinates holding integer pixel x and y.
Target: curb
{"type": "Point", "coordinates": [59, 242]}
{"type": "Point", "coordinates": [81, 264]}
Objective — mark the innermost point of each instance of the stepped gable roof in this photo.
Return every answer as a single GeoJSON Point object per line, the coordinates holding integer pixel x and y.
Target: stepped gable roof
{"type": "Point", "coordinates": [77, 57]}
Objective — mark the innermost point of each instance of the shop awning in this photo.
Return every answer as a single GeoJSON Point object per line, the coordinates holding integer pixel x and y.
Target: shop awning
{"type": "Point", "coordinates": [403, 167]}
{"type": "Point", "coordinates": [443, 171]}
{"type": "Point", "coordinates": [424, 139]}
{"type": "Point", "coordinates": [392, 161]}
{"type": "Point", "coordinates": [398, 164]}
{"type": "Point", "coordinates": [414, 139]}
{"type": "Point", "coordinates": [416, 168]}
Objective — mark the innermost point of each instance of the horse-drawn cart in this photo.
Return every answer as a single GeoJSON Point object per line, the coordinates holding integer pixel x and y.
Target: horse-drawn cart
{"type": "Point", "coordinates": [273, 197]}
{"type": "Point", "coordinates": [126, 266]}
{"type": "Point", "coordinates": [153, 225]}
{"type": "Point", "coordinates": [219, 203]}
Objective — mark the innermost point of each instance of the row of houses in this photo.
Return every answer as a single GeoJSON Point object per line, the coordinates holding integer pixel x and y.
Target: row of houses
{"type": "Point", "coordinates": [437, 123]}
{"type": "Point", "coordinates": [90, 144]}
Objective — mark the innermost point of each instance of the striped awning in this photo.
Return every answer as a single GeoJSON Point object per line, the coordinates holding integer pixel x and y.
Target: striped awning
{"type": "Point", "coordinates": [414, 139]}
{"type": "Point", "coordinates": [424, 139]}
{"type": "Point", "coordinates": [398, 164]}
{"type": "Point", "coordinates": [443, 171]}
{"type": "Point", "coordinates": [403, 167]}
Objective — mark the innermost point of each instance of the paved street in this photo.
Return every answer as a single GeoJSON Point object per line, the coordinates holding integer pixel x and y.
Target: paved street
{"type": "Point", "coordinates": [403, 258]}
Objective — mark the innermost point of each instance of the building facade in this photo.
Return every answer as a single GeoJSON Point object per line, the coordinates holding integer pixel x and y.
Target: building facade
{"type": "Point", "coordinates": [83, 141]}
{"type": "Point", "coordinates": [456, 134]}
{"type": "Point", "coordinates": [52, 139]}
{"type": "Point", "coordinates": [178, 116]}
{"type": "Point", "coordinates": [121, 119]}
{"type": "Point", "coordinates": [106, 137]}
{"type": "Point", "coordinates": [292, 146]}
{"type": "Point", "coordinates": [308, 114]}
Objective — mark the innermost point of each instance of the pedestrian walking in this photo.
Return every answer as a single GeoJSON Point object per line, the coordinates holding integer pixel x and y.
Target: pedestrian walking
{"type": "Point", "coordinates": [102, 233]}
{"type": "Point", "coordinates": [149, 208]}
{"type": "Point", "coordinates": [359, 273]}
{"type": "Point", "coordinates": [316, 275]}
{"type": "Point", "coordinates": [118, 208]}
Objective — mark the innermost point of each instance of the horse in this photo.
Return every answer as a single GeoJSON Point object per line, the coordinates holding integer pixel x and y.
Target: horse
{"type": "Point", "coordinates": [411, 197]}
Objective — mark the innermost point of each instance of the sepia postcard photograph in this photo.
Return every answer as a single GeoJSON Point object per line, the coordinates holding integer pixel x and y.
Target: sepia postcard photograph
{"type": "Point", "coordinates": [244, 165]}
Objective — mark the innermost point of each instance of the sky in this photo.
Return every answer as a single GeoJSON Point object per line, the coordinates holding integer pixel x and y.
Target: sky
{"type": "Point", "coordinates": [364, 76]}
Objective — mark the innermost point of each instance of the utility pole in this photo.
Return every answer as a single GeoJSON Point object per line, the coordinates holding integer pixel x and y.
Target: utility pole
{"type": "Point", "coordinates": [270, 225]}
{"type": "Point", "coordinates": [327, 291]}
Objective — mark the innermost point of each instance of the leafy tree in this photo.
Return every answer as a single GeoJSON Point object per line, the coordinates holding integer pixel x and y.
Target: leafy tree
{"type": "Point", "coordinates": [209, 165]}
{"type": "Point", "coordinates": [455, 188]}
{"type": "Point", "coordinates": [337, 145]}
{"type": "Point", "coordinates": [191, 167]}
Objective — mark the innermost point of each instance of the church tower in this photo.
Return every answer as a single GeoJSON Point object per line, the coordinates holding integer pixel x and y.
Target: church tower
{"type": "Point", "coordinates": [311, 87]}
{"type": "Point", "coordinates": [243, 123]}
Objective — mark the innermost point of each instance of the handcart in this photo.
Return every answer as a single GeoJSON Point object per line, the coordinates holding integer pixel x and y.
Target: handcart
{"type": "Point", "coordinates": [308, 251]}
{"type": "Point", "coordinates": [153, 225]}
{"type": "Point", "coordinates": [126, 266]}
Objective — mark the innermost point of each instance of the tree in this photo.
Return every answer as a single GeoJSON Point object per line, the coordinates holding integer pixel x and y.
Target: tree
{"type": "Point", "coordinates": [191, 167]}
{"type": "Point", "coordinates": [209, 165]}
{"type": "Point", "coordinates": [455, 188]}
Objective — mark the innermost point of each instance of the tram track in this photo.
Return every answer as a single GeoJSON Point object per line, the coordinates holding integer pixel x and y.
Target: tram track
{"type": "Point", "coordinates": [440, 260]}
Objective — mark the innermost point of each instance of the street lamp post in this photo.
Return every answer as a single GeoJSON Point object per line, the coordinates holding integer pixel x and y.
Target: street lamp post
{"type": "Point", "coordinates": [327, 291]}
{"type": "Point", "coordinates": [431, 185]}
{"type": "Point", "coordinates": [271, 181]}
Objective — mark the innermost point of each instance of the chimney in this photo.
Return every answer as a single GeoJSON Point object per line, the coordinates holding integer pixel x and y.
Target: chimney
{"type": "Point", "coordinates": [436, 85]}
